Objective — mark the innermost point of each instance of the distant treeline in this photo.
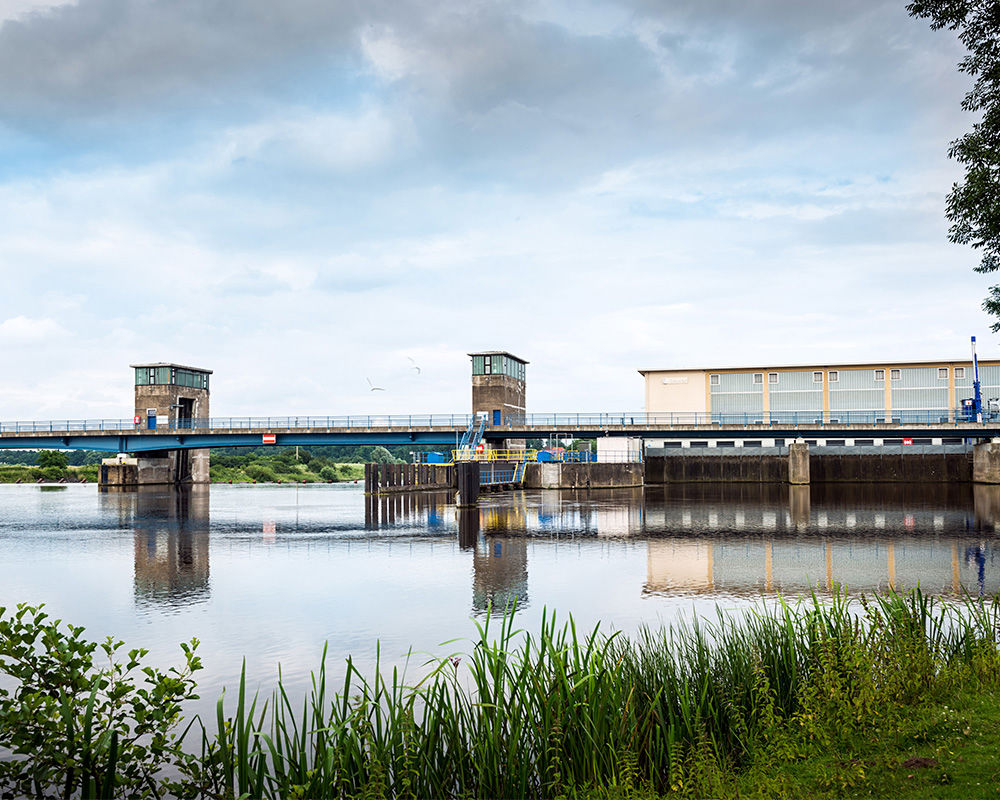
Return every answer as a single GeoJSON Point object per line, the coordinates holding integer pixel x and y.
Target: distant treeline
{"type": "Point", "coordinates": [74, 458]}
{"type": "Point", "coordinates": [359, 454]}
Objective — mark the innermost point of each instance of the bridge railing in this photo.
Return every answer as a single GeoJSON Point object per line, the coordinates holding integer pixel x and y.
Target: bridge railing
{"type": "Point", "coordinates": [557, 422]}
{"type": "Point", "coordinates": [540, 423]}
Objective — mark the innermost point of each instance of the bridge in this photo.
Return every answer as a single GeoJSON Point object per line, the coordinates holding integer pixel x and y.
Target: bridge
{"type": "Point", "coordinates": [447, 430]}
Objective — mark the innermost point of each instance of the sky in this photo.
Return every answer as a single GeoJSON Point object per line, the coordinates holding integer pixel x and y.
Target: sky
{"type": "Point", "coordinates": [312, 196]}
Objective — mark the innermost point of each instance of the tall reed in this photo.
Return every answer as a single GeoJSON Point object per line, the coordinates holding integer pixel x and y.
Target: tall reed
{"type": "Point", "coordinates": [563, 710]}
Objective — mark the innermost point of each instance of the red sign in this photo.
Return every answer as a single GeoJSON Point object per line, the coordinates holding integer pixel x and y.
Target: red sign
{"type": "Point", "coordinates": [907, 441]}
{"type": "Point", "coordinates": [269, 438]}
{"type": "Point", "coordinates": [137, 419]}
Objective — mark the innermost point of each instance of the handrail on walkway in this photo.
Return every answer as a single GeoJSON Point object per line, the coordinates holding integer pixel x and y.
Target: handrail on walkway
{"type": "Point", "coordinates": [543, 424]}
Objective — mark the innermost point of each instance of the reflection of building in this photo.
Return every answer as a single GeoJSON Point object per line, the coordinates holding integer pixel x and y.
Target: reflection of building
{"type": "Point", "coordinates": [171, 534]}
{"type": "Point", "coordinates": [738, 565]}
{"type": "Point", "coordinates": [500, 573]}
{"type": "Point", "coordinates": [861, 538]}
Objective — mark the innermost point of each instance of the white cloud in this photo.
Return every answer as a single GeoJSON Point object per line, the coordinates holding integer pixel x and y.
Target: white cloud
{"type": "Point", "coordinates": [25, 329]}
{"type": "Point", "coordinates": [15, 9]}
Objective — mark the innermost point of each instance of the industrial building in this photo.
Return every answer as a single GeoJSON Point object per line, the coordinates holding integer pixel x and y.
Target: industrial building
{"type": "Point", "coordinates": [896, 391]}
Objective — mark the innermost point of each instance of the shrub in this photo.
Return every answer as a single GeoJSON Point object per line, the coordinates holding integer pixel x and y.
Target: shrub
{"type": "Point", "coordinates": [52, 459]}
{"type": "Point", "coordinates": [78, 729]}
{"type": "Point", "coordinates": [328, 473]}
{"type": "Point", "coordinates": [261, 472]}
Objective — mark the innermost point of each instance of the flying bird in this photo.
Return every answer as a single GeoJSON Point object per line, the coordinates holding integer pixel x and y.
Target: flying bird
{"type": "Point", "coordinates": [373, 387]}
{"type": "Point", "coordinates": [414, 365]}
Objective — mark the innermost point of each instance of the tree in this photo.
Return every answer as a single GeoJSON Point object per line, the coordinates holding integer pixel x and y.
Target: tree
{"type": "Point", "coordinates": [381, 455]}
{"type": "Point", "coordinates": [973, 205]}
{"type": "Point", "coordinates": [52, 458]}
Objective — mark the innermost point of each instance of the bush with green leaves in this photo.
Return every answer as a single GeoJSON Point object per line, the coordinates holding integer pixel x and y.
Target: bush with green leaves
{"type": "Point", "coordinates": [77, 727]}
{"type": "Point", "coordinates": [328, 473]}
{"type": "Point", "coordinates": [52, 458]}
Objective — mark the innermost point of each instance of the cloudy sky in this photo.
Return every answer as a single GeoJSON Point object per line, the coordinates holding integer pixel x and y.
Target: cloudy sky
{"type": "Point", "coordinates": [306, 195]}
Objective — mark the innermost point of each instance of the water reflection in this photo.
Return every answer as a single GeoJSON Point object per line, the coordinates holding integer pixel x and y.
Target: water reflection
{"type": "Point", "coordinates": [736, 539]}
{"type": "Point", "coordinates": [170, 541]}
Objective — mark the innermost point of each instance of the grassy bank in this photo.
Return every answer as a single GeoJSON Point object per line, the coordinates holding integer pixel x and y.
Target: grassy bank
{"type": "Point", "coordinates": [896, 696]}
{"type": "Point", "coordinates": [275, 469]}
{"type": "Point", "coordinates": [25, 474]}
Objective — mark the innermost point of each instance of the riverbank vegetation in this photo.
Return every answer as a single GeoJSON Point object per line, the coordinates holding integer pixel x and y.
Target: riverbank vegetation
{"type": "Point", "coordinates": [47, 466]}
{"type": "Point", "coordinates": [895, 695]}
{"type": "Point", "coordinates": [295, 464]}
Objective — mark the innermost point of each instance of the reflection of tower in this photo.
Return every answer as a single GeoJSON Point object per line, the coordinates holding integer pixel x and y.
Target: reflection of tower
{"type": "Point", "coordinates": [500, 567]}
{"type": "Point", "coordinates": [171, 544]}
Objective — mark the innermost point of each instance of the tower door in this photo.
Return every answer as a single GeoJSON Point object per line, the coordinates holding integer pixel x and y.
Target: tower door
{"type": "Point", "coordinates": [185, 411]}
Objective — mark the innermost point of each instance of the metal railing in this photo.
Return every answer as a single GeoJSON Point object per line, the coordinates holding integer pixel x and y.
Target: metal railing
{"type": "Point", "coordinates": [536, 423]}
{"type": "Point", "coordinates": [490, 476]}
{"type": "Point", "coordinates": [472, 454]}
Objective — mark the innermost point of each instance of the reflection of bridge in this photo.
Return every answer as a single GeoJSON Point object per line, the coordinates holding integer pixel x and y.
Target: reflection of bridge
{"type": "Point", "coordinates": [121, 436]}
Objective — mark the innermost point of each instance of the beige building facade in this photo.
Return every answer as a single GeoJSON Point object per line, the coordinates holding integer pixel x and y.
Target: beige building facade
{"type": "Point", "coordinates": [827, 391]}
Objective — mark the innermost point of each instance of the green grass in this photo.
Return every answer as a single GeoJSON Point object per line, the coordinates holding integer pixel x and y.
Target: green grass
{"type": "Point", "coordinates": [816, 698]}
{"type": "Point", "coordinates": [275, 470]}
{"type": "Point", "coordinates": [25, 474]}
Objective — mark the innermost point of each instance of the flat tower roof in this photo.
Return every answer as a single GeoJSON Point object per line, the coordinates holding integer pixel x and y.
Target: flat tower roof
{"type": "Point", "coordinates": [169, 364]}
{"type": "Point", "coordinates": [499, 353]}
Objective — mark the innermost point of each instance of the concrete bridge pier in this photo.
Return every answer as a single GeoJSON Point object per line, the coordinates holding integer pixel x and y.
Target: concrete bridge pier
{"type": "Point", "coordinates": [159, 468]}
{"type": "Point", "coordinates": [986, 462]}
{"type": "Point", "coordinates": [798, 463]}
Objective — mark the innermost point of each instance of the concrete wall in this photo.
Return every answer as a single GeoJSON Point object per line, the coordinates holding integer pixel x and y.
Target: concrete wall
{"type": "Point", "coordinates": [582, 476]}
{"type": "Point", "coordinates": [710, 469]}
{"type": "Point", "coordinates": [891, 468]}
{"type": "Point", "coordinates": [832, 468]}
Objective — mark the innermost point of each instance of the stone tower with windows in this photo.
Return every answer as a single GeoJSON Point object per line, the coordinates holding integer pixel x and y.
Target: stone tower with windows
{"type": "Point", "coordinates": [175, 397]}
{"type": "Point", "coordinates": [498, 386]}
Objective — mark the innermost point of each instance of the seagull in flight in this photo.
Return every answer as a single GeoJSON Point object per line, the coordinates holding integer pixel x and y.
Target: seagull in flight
{"type": "Point", "coordinates": [414, 365]}
{"type": "Point", "coordinates": [373, 387]}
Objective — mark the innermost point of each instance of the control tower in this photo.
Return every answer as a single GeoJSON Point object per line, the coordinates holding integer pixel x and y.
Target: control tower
{"type": "Point", "coordinates": [176, 397]}
{"type": "Point", "coordinates": [498, 386]}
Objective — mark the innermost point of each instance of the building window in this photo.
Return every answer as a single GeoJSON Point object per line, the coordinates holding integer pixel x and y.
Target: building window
{"type": "Point", "coordinates": [817, 377]}
{"type": "Point", "coordinates": [959, 373]}
{"type": "Point", "coordinates": [758, 377]}
{"type": "Point", "coordinates": [833, 375]}
{"type": "Point", "coordinates": [772, 377]}
{"type": "Point", "coordinates": [942, 373]}
{"type": "Point", "coordinates": [880, 374]}
{"type": "Point", "coordinates": [895, 374]}
{"type": "Point", "coordinates": [713, 380]}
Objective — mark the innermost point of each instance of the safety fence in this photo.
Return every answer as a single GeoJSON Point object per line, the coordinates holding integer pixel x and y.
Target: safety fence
{"type": "Point", "coordinates": [542, 424]}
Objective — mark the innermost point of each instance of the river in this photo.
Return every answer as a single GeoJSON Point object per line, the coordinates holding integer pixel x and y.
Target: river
{"type": "Point", "coordinates": [270, 573]}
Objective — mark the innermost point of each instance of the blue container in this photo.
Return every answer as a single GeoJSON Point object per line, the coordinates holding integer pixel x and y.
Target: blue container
{"type": "Point", "coordinates": [435, 458]}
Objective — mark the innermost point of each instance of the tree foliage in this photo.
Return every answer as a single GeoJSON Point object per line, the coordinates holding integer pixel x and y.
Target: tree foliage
{"type": "Point", "coordinates": [52, 458]}
{"type": "Point", "coordinates": [77, 728]}
{"type": "Point", "coordinates": [973, 205]}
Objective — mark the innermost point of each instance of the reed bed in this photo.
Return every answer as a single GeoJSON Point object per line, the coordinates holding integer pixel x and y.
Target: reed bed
{"type": "Point", "coordinates": [563, 712]}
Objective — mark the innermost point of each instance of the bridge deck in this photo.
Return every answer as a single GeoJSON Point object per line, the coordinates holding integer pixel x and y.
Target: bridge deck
{"type": "Point", "coordinates": [445, 429]}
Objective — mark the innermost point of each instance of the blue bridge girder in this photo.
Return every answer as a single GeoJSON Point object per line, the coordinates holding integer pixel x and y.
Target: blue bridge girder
{"type": "Point", "coordinates": [445, 430]}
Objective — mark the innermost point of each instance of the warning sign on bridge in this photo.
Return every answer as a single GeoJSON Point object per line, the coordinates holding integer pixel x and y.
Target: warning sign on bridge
{"type": "Point", "coordinates": [268, 438]}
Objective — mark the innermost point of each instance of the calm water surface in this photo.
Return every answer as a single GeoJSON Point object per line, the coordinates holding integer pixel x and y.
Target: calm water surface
{"type": "Point", "coordinates": [270, 573]}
